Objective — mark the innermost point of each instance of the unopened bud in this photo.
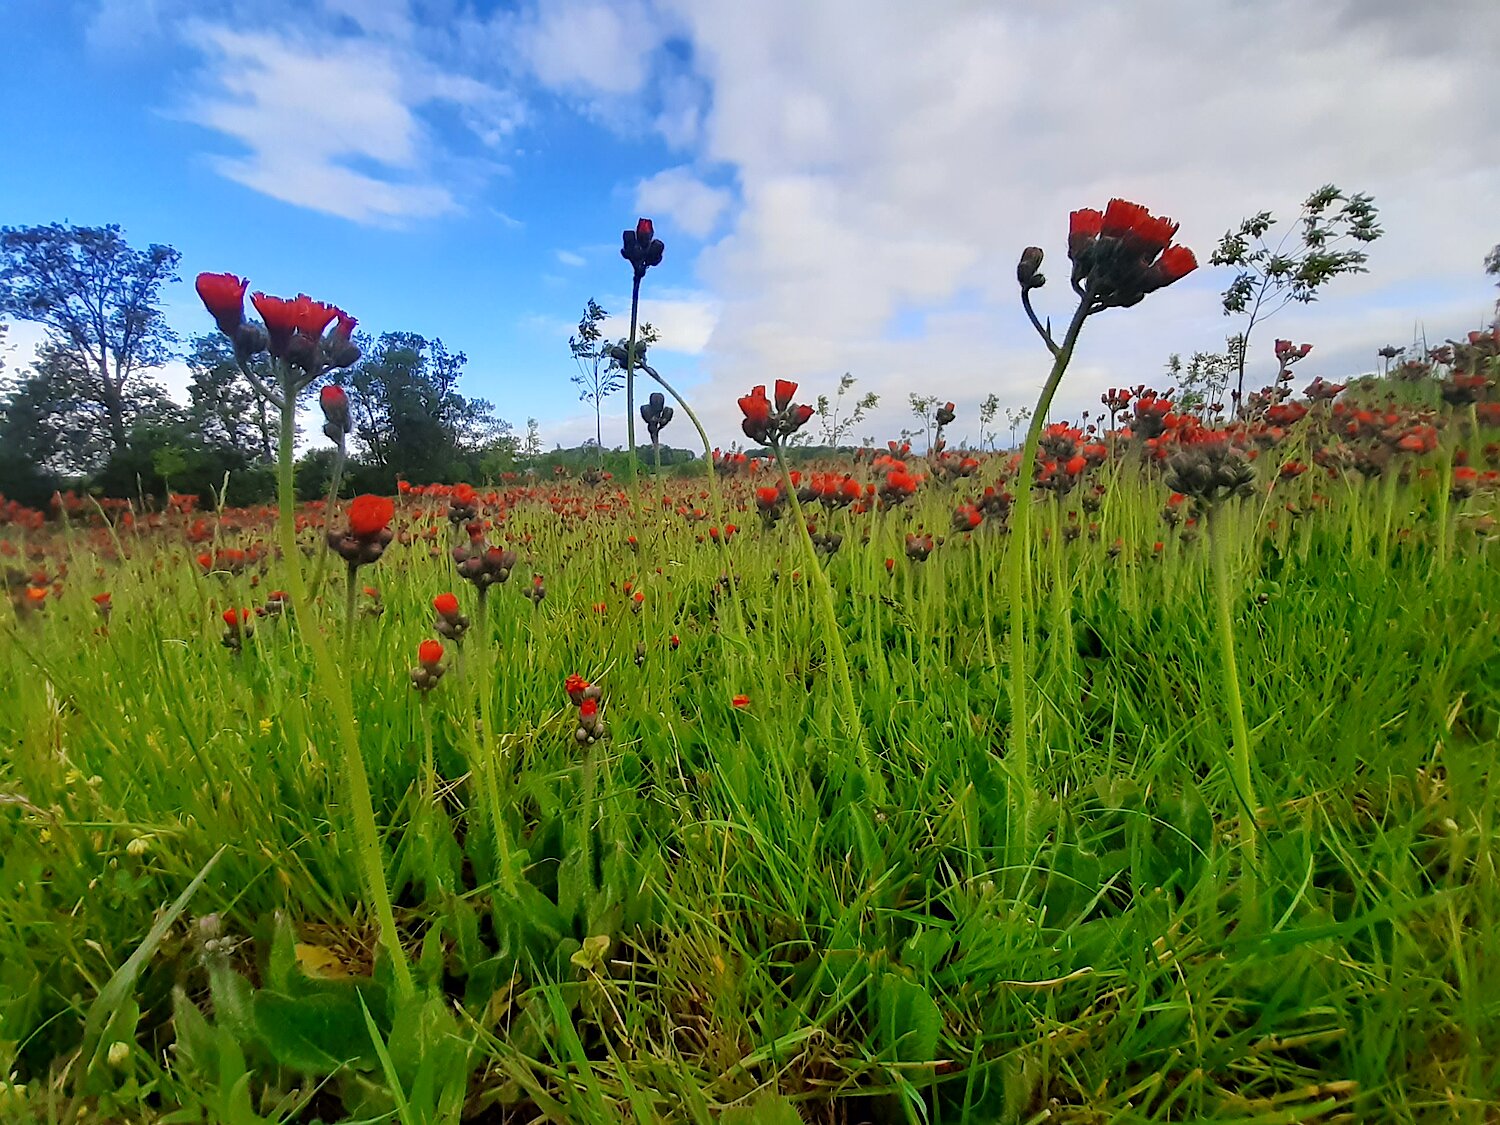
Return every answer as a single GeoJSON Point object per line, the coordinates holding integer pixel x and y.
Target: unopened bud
{"type": "Point", "coordinates": [1027, 270]}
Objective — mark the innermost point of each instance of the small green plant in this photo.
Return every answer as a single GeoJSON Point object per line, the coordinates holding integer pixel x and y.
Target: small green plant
{"type": "Point", "coordinates": [1324, 242]}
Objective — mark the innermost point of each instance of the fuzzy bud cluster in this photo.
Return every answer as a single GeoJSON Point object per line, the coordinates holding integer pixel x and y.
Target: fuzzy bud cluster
{"type": "Point", "coordinates": [451, 622]}
{"type": "Point", "coordinates": [239, 624]}
{"type": "Point", "coordinates": [463, 505]}
{"type": "Point", "coordinates": [587, 698]}
{"type": "Point", "coordinates": [480, 564]}
{"type": "Point", "coordinates": [641, 248]}
{"type": "Point", "coordinates": [334, 403]}
{"type": "Point", "coordinates": [1210, 472]}
{"type": "Point", "coordinates": [429, 668]}
{"type": "Point", "coordinates": [656, 414]}
{"type": "Point", "coordinates": [369, 531]}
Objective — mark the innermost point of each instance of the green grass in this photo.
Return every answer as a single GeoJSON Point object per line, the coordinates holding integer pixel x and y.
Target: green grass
{"type": "Point", "coordinates": [709, 915]}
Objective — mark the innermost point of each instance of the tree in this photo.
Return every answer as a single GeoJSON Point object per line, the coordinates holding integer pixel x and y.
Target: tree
{"type": "Point", "coordinates": [1491, 267]}
{"type": "Point", "coordinates": [988, 409]}
{"type": "Point", "coordinates": [65, 424]}
{"type": "Point", "coordinates": [598, 376]}
{"type": "Point", "coordinates": [922, 407]}
{"type": "Point", "coordinates": [1310, 253]}
{"type": "Point", "coordinates": [1203, 379]}
{"type": "Point", "coordinates": [835, 424]}
{"type": "Point", "coordinates": [410, 421]}
{"type": "Point", "coordinates": [98, 298]}
{"type": "Point", "coordinates": [225, 410]}
{"type": "Point", "coordinates": [1014, 418]}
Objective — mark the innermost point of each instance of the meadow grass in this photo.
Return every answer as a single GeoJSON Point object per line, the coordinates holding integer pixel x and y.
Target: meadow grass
{"type": "Point", "coordinates": [715, 913]}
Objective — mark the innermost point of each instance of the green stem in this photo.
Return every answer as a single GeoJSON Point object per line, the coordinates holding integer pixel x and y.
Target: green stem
{"type": "Point", "coordinates": [331, 680]}
{"type": "Point", "coordinates": [485, 762]}
{"type": "Point", "coordinates": [635, 303]}
{"type": "Point", "coordinates": [1239, 763]}
{"type": "Point", "coordinates": [715, 499]}
{"type": "Point", "coordinates": [833, 637]}
{"type": "Point", "coordinates": [351, 594]}
{"type": "Point", "coordinates": [1016, 568]}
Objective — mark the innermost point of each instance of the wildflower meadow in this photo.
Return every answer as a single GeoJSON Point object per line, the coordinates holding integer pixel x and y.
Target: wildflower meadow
{"type": "Point", "coordinates": [1144, 770]}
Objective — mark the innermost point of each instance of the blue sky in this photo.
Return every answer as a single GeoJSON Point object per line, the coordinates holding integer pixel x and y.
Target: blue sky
{"type": "Point", "coordinates": [841, 186]}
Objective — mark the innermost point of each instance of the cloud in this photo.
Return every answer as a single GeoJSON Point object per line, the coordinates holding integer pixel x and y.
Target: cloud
{"type": "Point", "coordinates": [568, 258]}
{"type": "Point", "coordinates": [332, 123]}
{"type": "Point", "coordinates": [683, 319]}
{"type": "Point", "coordinates": [693, 206]}
{"type": "Point", "coordinates": [891, 165]}
{"type": "Point", "coordinates": [586, 45]}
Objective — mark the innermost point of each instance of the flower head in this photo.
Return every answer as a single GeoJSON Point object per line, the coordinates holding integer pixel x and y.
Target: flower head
{"type": "Point", "coordinates": [1124, 252]}
{"type": "Point", "coordinates": [223, 295]}
{"type": "Point", "coordinates": [370, 515]}
{"type": "Point", "coordinates": [430, 653]}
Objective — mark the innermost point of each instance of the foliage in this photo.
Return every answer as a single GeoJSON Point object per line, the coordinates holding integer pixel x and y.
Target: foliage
{"type": "Point", "coordinates": [225, 410]}
{"type": "Point", "coordinates": [99, 300]}
{"type": "Point", "coordinates": [1322, 243]}
{"type": "Point", "coordinates": [410, 421]}
{"type": "Point", "coordinates": [834, 424]}
{"type": "Point", "coordinates": [1203, 379]}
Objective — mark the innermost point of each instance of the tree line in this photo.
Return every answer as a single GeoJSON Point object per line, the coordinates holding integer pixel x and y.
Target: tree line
{"type": "Point", "coordinates": [88, 412]}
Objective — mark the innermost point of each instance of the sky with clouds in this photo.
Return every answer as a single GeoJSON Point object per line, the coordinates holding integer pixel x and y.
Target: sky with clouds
{"type": "Point", "coordinates": [842, 185]}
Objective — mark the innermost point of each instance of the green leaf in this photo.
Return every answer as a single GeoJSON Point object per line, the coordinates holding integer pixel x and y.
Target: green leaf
{"type": "Point", "coordinates": [909, 1020]}
{"type": "Point", "coordinates": [770, 1108]}
{"type": "Point", "coordinates": [314, 1034]}
{"type": "Point", "coordinates": [110, 1009]}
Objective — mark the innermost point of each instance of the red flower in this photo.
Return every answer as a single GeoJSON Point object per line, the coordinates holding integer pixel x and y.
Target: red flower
{"type": "Point", "coordinates": [370, 515]}
{"type": "Point", "coordinates": [1076, 464]}
{"type": "Point", "coordinates": [756, 407]}
{"type": "Point", "coordinates": [575, 685]}
{"type": "Point", "coordinates": [446, 605]}
{"type": "Point", "coordinates": [1085, 223]}
{"type": "Point", "coordinates": [223, 296]}
{"type": "Point", "coordinates": [740, 702]}
{"type": "Point", "coordinates": [1121, 217]}
{"type": "Point", "coordinates": [429, 653]}
{"type": "Point", "coordinates": [645, 231]}
{"type": "Point", "coordinates": [588, 708]}
{"type": "Point", "coordinates": [332, 398]}
{"type": "Point", "coordinates": [313, 316]}
{"type": "Point", "coordinates": [284, 318]}
{"type": "Point", "coordinates": [785, 389]}
{"type": "Point", "coordinates": [1175, 263]}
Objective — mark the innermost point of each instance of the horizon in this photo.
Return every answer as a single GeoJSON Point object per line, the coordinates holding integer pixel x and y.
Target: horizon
{"type": "Point", "coordinates": [462, 171]}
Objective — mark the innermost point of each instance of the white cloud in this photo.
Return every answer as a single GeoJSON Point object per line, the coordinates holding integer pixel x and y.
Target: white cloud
{"type": "Point", "coordinates": [693, 206]}
{"type": "Point", "coordinates": [331, 123]}
{"type": "Point", "coordinates": [568, 258]}
{"type": "Point", "coordinates": [683, 319]}
{"type": "Point", "coordinates": [893, 160]}
{"type": "Point", "coordinates": [588, 45]}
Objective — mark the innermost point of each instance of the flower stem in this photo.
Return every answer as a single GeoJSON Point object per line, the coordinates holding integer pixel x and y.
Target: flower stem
{"type": "Point", "coordinates": [1239, 763]}
{"type": "Point", "coordinates": [833, 637]}
{"type": "Point", "coordinates": [1016, 568]}
{"type": "Point", "coordinates": [330, 678]}
{"type": "Point", "coordinates": [635, 304]}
